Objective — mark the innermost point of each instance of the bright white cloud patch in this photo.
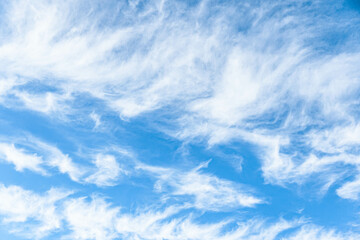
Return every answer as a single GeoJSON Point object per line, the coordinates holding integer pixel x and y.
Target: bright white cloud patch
{"type": "Point", "coordinates": [39, 156]}
{"type": "Point", "coordinates": [350, 190]}
{"type": "Point", "coordinates": [20, 158]}
{"type": "Point", "coordinates": [34, 215]}
{"type": "Point", "coordinates": [208, 192]}
{"type": "Point", "coordinates": [95, 218]}
{"type": "Point", "coordinates": [108, 171]}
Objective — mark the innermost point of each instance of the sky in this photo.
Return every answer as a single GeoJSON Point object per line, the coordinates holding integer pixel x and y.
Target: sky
{"type": "Point", "coordinates": [168, 120]}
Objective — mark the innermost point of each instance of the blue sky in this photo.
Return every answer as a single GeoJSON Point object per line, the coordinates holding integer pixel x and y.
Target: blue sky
{"type": "Point", "coordinates": [180, 120]}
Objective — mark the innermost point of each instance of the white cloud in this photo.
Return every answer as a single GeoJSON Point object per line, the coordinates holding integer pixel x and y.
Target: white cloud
{"type": "Point", "coordinates": [271, 94]}
{"type": "Point", "coordinates": [7, 84]}
{"type": "Point", "coordinates": [42, 157]}
{"type": "Point", "coordinates": [21, 159]}
{"type": "Point", "coordinates": [96, 219]}
{"type": "Point", "coordinates": [339, 157]}
{"type": "Point", "coordinates": [55, 158]}
{"type": "Point", "coordinates": [38, 157]}
{"type": "Point", "coordinates": [350, 190]}
{"type": "Point", "coordinates": [96, 118]}
{"type": "Point", "coordinates": [211, 192]}
{"type": "Point", "coordinates": [108, 171]}
{"type": "Point", "coordinates": [339, 139]}
{"type": "Point", "coordinates": [32, 214]}
{"type": "Point", "coordinates": [281, 168]}
{"type": "Point", "coordinates": [221, 87]}
{"type": "Point", "coordinates": [35, 216]}
{"type": "Point", "coordinates": [260, 230]}
{"type": "Point", "coordinates": [90, 220]}
{"type": "Point", "coordinates": [188, 229]}
{"type": "Point", "coordinates": [80, 55]}
{"type": "Point", "coordinates": [45, 103]}
{"type": "Point", "coordinates": [208, 192]}
{"type": "Point", "coordinates": [85, 220]}
{"type": "Point", "coordinates": [320, 233]}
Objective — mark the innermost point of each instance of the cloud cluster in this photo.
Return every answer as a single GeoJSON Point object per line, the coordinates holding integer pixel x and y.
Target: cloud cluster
{"type": "Point", "coordinates": [208, 192]}
{"type": "Point", "coordinates": [257, 76]}
{"type": "Point", "coordinates": [34, 215]}
{"type": "Point", "coordinates": [40, 157]}
{"type": "Point", "coordinates": [38, 215]}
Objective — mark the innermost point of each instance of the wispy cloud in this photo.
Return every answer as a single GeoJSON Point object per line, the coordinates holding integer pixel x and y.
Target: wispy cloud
{"type": "Point", "coordinates": [41, 157]}
{"type": "Point", "coordinates": [208, 191]}
{"type": "Point", "coordinates": [316, 232]}
{"type": "Point", "coordinates": [350, 190]}
{"type": "Point", "coordinates": [107, 173]}
{"type": "Point", "coordinates": [98, 219]}
{"type": "Point", "coordinates": [281, 76]}
{"type": "Point", "coordinates": [96, 118]}
{"type": "Point", "coordinates": [21, 159]}
{"type": "Point", "coordinates": [34, 215]}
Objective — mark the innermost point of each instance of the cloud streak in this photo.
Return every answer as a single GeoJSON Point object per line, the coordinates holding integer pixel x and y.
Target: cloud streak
{"type": "Point", "coordinates": [95, 218]}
